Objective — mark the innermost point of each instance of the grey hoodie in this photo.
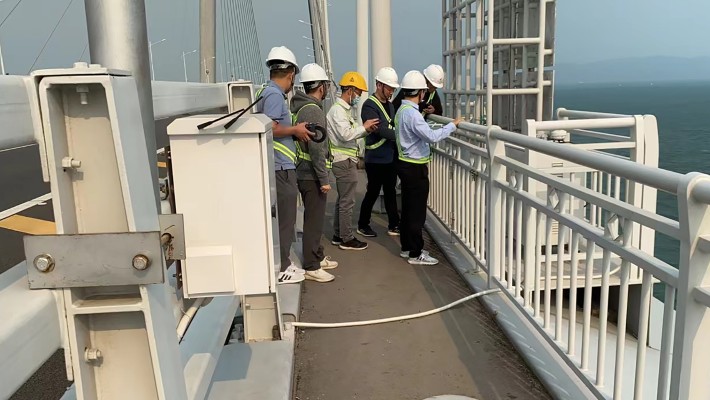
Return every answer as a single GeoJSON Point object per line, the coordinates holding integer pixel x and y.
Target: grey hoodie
{"type": "Point", "coordinates": [319, 152]}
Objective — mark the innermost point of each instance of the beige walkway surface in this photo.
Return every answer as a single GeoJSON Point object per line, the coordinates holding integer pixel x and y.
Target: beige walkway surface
{"type": "Point", "coordinates": [461, 351]}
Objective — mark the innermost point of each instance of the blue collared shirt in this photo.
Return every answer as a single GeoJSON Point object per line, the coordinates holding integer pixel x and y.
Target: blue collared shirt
{"type": "Point", "coordinates": [413, 133]}
{"type": "Point", "coordinates": [274, 106]}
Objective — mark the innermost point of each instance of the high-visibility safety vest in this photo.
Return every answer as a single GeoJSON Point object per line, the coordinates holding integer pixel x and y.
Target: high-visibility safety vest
{"type": "Point", "coordinates": [344, 150]}
{"type": "Point", "coordinates": [400, 150]}
{"type": "Point", "coordinates": [431, 97]}
{"type": "Point", "coordinates": [277, 145]}
{"type": "Point", "coordinates": [389, 123]}
{"type": "Point", "coordinates": [300, 154]}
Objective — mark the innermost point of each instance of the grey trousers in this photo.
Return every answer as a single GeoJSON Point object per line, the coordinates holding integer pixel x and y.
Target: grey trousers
{"type": "Point", "coordinates": [286, 197]}
{"type": "Point", "coordinates": [346, 182]}
{"type": "Point", "coordinates": [313, 217]}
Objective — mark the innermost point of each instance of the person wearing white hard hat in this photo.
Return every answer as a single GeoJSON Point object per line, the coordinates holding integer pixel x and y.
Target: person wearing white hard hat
{"type": "Point", "coordinates": [380, 150]}
{"type": "Point", "coordinates": [283, 69]}
{"type": "Point", "coordinates": [434, 75]}
{"type": "Point", "coordinates": [431, 104]}
{"type": "Point", "coordinates": [414, 137]}
{"type": "Point", "coordinates": [313, 166]}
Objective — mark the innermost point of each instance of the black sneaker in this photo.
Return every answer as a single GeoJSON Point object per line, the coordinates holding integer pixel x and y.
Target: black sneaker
{"type": "Point", "coordinates": [336, 241]}
{"type": "Point", "coordinates": [393, 231]}
{"type": "Point", "coordinates": [353, 244]}
{"type": "Point", "coordinates": [367, 232]}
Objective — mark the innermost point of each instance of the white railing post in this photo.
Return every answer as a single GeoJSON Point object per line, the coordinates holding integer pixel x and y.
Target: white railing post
{"type": "Point", "coordinates": [494, 233]}
{"type": "Point", "coordinates": [691, 351]}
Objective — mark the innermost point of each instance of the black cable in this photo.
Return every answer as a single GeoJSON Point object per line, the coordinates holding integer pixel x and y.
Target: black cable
{"type": "Point", "coordinates": [228, 124]}
{"type": "Point", "coordinates": [10, 13]}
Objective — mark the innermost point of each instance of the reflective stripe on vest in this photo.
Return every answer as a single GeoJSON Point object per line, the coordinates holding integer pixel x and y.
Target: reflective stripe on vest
{"type": "Point", "coordinates": [281, 148]}
{"type": "Point", "coordinates": [344, 150]}
{"type": "Point", "coordinates": [431, 97]}
{"type": "Point", "coordinates": [389, 122]}
{"type": "Point", "coordinates": [300, 154]}
{"type": "Point", "coordinates": [400, 150]}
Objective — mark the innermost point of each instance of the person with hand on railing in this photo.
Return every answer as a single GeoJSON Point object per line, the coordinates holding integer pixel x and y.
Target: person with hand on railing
{"type": "Point", "coordinates": [380, 148]}
{"type": "Point", "coordinates": [283, 70]}
{"type": "Point", "coordinates": [343, 133]}
{"type": "Point", "coordinates": [312, 168]}
{"type": "Point", "coordinates": [414, 137]}
{"type": "Point", "coordinates": [431, 104]}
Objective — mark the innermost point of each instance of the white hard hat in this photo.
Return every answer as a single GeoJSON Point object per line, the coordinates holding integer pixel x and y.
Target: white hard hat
{"type": "Point", "coordinates": [280, 57]}
{"type": "Point", "coordinates": [388, 76]}
{"type": "Point", "coordinates": [313, 73]}
{"type": "Point", "coordinates": [413, 80]}
{"type": "Point", "coordinates": [435, 74]}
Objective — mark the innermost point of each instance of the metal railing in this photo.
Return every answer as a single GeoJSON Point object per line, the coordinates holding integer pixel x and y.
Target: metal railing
{"type": "Point", "coordinates": [568, 230]}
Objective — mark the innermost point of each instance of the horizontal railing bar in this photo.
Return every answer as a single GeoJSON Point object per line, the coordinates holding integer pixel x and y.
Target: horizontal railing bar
{"type": "Point", "coordinates": [563, 112]}
{"type": "Point", "coordinates": [622, 122]}
{"type": "Point", "coordinates": [702, 295]}
{"type": "Point", "coordinates": [659, 178]}
{"type": "Point", "coordinates": [656, 267]}
{"type": "Point", "coordinates": [605, 146]}
{"type": "Point", "coordinates": [600, 135]}
{"type": "Point", "coordinates": [652, 220]}
{"type": "Point", "coordinates": [657, 222]}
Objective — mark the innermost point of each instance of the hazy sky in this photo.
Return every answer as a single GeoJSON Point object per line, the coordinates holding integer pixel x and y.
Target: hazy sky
{"type": "Point", "coordinates": [586, 31]}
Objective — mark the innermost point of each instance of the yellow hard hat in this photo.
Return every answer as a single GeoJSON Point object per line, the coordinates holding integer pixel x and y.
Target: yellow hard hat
{"type": "Point", "coordinates": [352, 78]}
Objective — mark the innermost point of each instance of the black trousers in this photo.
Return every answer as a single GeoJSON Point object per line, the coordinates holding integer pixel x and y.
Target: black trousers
{"type": "Point", "coordinates": [313, 217]}
{"type": "Point", "coordinates": [380, 176]}
{"type": "Point", "coordinates": [415, 192]}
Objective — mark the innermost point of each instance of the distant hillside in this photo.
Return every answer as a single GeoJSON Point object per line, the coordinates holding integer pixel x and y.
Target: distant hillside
{"type": "Point", "coordinates": [645, 69]}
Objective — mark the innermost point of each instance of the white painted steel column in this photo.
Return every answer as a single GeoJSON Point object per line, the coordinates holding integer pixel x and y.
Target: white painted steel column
{"type": "Point", "coordinates": [363, 48]}
{"type": "Point", "coordinates": [118, 39]}
{"type": "Point", "coordinates": [691, 354]}
{"type": "Point", "coordinates": [381, 34]}
{"type": "Point", "coordinates": [207, 40]}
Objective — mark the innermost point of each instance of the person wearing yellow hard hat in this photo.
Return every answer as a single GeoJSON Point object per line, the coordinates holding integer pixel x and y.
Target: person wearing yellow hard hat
{"type": "Point", "coordinates": [343, 133]}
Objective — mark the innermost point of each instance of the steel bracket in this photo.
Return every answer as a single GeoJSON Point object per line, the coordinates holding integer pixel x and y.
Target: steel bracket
{"type": "Point", "coordinates": [90, 260]}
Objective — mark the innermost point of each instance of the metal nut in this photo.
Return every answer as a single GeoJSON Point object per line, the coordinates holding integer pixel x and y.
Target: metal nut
{"type": "Point", "coordinates": [91, 355]}
{"type": "Point", "coordinates": [44, 263]}
{"type": "Point", "coordinates": [141, 262]}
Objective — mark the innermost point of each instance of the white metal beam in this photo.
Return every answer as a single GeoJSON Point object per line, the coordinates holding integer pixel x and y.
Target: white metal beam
{"type": "Point", "coordinates": [30, 331]}
{"type": "Point", "coordinates": [170, 99]}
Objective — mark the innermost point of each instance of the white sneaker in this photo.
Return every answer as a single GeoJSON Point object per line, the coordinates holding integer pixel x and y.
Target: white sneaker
{"type": "Point", "coordinates": [423, 259]}
{"type": "Point", "coordinates": [405, 254]}
{"type": "Point", "coordinates": [293, 268]}
{"type": "Point", "coordinates": [319, 276]}
{"type": "Point", "coordinates": [327, 263]}
{"type": "Point", "coordinates": [290, 277]}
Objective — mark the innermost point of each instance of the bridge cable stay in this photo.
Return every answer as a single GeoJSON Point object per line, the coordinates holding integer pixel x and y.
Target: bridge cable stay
{"type": "Point", "coordinates": [255, 40]}
{"type": "Point", "coordinates": [50, 35]}
{"type": "Point", "coordinates": [10, 13]}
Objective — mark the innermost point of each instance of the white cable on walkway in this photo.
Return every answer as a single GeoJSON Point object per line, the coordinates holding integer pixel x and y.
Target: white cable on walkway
{"type": "Point", "coordinates": [393, 319]}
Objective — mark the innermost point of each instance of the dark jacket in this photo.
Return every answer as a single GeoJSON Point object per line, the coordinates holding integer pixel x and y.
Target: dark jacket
{"type": "Point", "coordinates": [384, 154]}
{"type": "Point", "coordinates": [314, 170]}
{"type": "Point", "coordinates": [430, 99]}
